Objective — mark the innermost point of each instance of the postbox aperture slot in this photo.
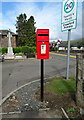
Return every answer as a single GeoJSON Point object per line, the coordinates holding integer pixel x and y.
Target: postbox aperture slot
{"type": "Point", "coordinates": [43, 34]}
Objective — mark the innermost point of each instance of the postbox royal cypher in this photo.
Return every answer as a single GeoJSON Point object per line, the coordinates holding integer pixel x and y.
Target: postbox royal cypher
{"type": "Point", "coordinates": [42, 43]}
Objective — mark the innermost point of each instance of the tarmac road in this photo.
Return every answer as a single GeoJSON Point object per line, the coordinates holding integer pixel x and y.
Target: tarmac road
{"type": "Point", "coordinates": [17, 73]}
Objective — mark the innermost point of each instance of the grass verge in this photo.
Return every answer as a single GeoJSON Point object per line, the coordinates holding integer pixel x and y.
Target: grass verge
{"type": "Point", "coordinates": [61, 93]}
{"type": "Point", "coordinates": [61, 86]}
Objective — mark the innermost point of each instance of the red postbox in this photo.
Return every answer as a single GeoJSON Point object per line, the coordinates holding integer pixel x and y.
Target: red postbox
{"type": "Point", "coordinates": [42, 43]}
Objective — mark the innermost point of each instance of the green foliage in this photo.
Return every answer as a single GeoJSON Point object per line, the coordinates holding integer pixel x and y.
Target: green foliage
{"type": "Point", "coordinates": [71, 45]}
{"type": "Point", "coordinates": [0, 51]}
{"type": "Point", "coordinates": [61, 86]}
{"type": "Point", "coordinates": [25, 49]}
{"type": "Point", "coordinates": [34, 50]}
{"type": "Point", "coordinates": [80, 44]}
{"type": "Point", "coordinates": [54, 49]}
{"type": "Point", "coordinates": [26, 30]}
{"type": "Point", "coordinates": [19, 54]}
{"type": "Point", "coordinates": [28, 50]}
{"type": "Point", "coordinates": [70, 109]}
{"type": "Point", "coordinates": [4, 50]}
{"type": "Point", "coordinates": [17, 49]}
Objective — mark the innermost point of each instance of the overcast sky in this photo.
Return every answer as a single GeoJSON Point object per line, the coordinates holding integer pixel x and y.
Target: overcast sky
{"type": "Point", "coordinates": [47, 14]}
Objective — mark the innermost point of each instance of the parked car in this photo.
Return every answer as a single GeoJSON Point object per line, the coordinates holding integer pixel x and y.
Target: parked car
{"type": "Point", "coordinates": [1, 58]}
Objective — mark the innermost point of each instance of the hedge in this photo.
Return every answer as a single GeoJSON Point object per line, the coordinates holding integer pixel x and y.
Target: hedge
{"type": "Point", "coordinates": [3, 50]}
{"type": "Point", "coordinates": [23, 49]}
{"type": "Point", "coordinates": [17, 50]}
{"type": "Point", "coordinates": [54, 49]}
{"type": "Point", "coordinates": [28, 50]}
{"type": "Point", "coordinates": [0, 51]}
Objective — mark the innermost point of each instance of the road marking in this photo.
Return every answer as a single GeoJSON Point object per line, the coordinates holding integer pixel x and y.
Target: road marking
{"type": "Point", "coordinates": [63, 55]}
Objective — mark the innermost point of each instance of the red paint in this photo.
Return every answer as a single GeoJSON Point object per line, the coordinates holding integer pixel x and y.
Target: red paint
{"type": "Point", "coordinates": [42, 43]}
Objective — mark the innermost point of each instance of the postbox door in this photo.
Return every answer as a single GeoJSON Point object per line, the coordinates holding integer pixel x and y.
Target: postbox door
{"type": "Point", "coordinates": [43, 50]}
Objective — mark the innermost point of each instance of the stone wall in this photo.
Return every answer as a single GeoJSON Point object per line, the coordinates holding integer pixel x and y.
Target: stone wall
{"type": "Point", "coordinates": [4, 41]}
{"type": "Point", "coordinates": [80, 80]}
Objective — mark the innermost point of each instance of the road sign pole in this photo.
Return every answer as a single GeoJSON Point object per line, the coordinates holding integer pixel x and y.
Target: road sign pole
{"type": "Point", "coordinates": [68, 56]}
{"type": "Point", "coordinates": [42, 80]}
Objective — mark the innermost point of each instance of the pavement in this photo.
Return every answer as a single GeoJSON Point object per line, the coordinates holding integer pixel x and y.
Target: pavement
{"type": "Point", "coordinates": [34, 114]}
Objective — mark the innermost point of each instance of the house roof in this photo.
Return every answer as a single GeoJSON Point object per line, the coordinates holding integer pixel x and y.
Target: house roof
{"type": "Point", "coordinates": [5, 32]}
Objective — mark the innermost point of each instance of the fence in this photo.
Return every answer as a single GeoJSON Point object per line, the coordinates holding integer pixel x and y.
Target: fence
{"type": "Point", "coordinates": [80, 81]}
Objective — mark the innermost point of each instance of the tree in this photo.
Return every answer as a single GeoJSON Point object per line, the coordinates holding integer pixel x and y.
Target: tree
{"type": "Point", "coordinates": [71, 45]}
{"type": "Point", "coordinates": [80, 44]}
{"type": "Point", "coordinates": [26, 30]}
{"type": "Point", "coordinates": [20, 26]}
{"type": "Point", "coordinates": [31, 32]}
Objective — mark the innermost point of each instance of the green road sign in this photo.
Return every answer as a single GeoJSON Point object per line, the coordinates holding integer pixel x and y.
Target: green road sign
{"type": "Point", "coordinates": [69, 15]}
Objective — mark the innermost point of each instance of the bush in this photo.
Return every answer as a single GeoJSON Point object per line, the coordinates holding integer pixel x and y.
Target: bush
{"type": "Point", "coordinates": [4, 50]}
{"type": "Point", "coordinates": [51, 49]}
{"type": "Point", "coordinates": [17, 49]}
{"type": "Point", "coordinates": [0, 51]}
{"type": "Point", "coordinates": [25, 49]}
{"type": "Point", "coordinates": [54, 49]}
{"type": "Point", "coordinates": [32, 50]}
{"type": "Point", "coordinates": [19, 54]}
{"type": "Point", "coordinates": [28, 50]}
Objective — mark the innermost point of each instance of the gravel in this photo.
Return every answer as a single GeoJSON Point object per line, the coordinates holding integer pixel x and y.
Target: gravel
{"type": "Point", "coordinates": [27, 99]}
{"type": "Point", "coordinates": [24, 100]}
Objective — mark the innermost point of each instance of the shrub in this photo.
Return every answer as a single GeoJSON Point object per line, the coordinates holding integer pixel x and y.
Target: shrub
{"type": "Point", "coordinates": [0, 51]}
{"type": "Point", "coordinates": [25, 49]}
{"type": "Point", "coordinates": [54, 49]}
{"type": "Point", "coordinates": [28, 50]}
{"type": "Point", "coordinates": [51, 49]}
{"type": "Point", "coordinates": [17, 49]}
{"type": "Point", "coordinates": [4, 50]}
{"type": "Point", "coordinates": [34, 50]}
{"type": "Point", "coordinates": [19, 54]}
